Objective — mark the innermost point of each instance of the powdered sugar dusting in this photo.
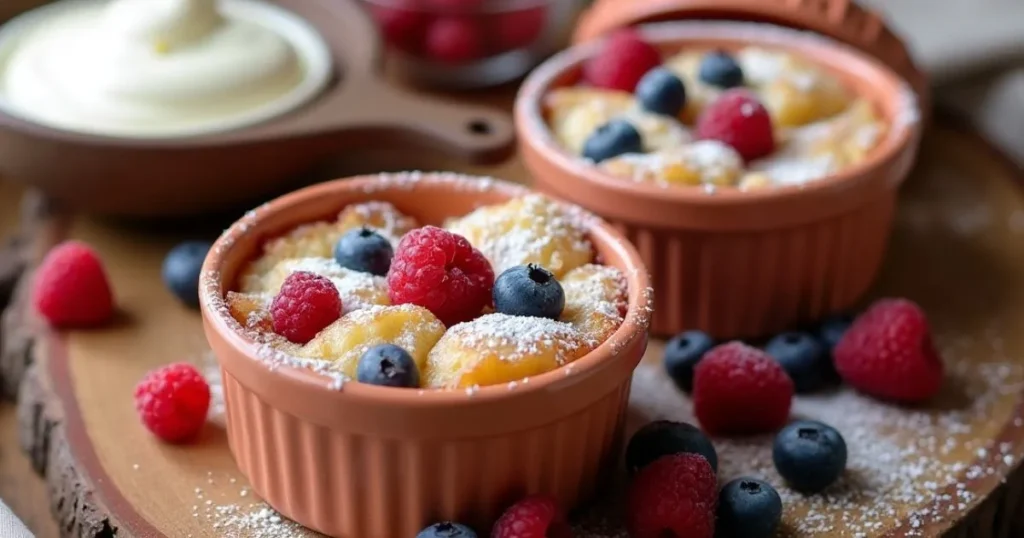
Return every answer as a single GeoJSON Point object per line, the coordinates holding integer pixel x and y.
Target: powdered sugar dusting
{"type": "Point", "coordinates": [515, 338]}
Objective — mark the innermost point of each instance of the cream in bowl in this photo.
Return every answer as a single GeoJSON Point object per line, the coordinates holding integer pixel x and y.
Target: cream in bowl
{"type": "Point", "coordinates": [158, 68]}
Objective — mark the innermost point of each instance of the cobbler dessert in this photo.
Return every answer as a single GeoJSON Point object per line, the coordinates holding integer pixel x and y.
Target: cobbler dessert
{"type": "Point", "coordinates": [747, 118]}
{"type": "Point", "coordinates": [506, 292]}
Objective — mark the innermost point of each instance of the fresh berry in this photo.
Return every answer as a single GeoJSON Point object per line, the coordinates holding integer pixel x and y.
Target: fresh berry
{"type": "Point", "coordinates": [682, 353]}
{"type": "Point", "coordinates": [403, 23]}
{"type": "Point", "coordinates": [537, 516]}
{"type": "Point", "coordinates": [529, 290]}
{"type": "Point", "coordinates": [446, 529]}
{"type": "Point", "coordinates": [364, 250]}
{"type": "Point", "coordinates": [661, 92]}
{"type": "Point", "coordinates": [172, 402]}
{"type": "Point", "coordinates": [738, 389]}
{"type": "Point", "coordinates": [181, 270]}
{"type": "Point", "coordinates": [831, 330]}
{"type": "Point", "coordinates": [719, 68]}
{"type": "Point", "coordinates": [748, 508]}
{"type": "Point", "coordinates": [738, 119]}
{"type": "Point", "coordinates": [453, 6]}
{"type": "Point", "coordinates": [809, 455]}
{"type": "Point", "coordinates": [454, 40]}
{"type": "Point", "coordinates": [441, 272]}
{"type": "Point", "coordinates": [388, 365]}
{"type": "Point", "coordinates": [510, 30]}
{"type": "Point", "coordinates": [305, 305]}
{"type": "Point", "coordinates": [71, 287]}
{"type": "Point", "coordinates": [802, 357]}
{"type": "Point", "coordinates": [888, 353]}
{"type": "Point", "coordinates": [674, 496]}
{"type": "Point", "coordinates": [617, 137]}
{"type": "Point", "coordinates": [623, 60]}
{"type": "Point", "coordinates": [663, 438]}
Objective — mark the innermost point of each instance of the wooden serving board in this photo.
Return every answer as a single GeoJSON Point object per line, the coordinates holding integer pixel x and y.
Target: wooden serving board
{"type": "Point", "coordinates": [946, 470]}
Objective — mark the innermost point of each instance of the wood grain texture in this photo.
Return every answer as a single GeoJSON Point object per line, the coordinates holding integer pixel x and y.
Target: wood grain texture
{"type": "Point", "coordinates": [106, 476]}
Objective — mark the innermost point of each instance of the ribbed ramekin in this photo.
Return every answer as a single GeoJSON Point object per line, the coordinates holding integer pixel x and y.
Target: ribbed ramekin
{"type": "Point", "coordinates": [362, 461]}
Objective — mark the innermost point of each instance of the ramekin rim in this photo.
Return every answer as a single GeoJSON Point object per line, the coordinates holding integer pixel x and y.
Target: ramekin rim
{"type": "Point", "coordinates": [902, 132]}
{"type": "Point", "coordinates": [214, 309]}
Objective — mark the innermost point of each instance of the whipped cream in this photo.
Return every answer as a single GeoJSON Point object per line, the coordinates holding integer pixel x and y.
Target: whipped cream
{"type": "Point", "coordinates": [145, 68]}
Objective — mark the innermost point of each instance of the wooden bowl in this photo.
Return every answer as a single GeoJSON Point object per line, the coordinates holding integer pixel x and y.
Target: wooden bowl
{"type": "Point", "coordinates": [373, 461]}
{"type": "Point", "coordinates": [736, 263]}
{"type": "Point", "coordinates": [175, 176]}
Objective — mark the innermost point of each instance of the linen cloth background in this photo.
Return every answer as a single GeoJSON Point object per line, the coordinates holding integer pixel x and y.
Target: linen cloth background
{"type": "Point", "coordinates": [974, 51]}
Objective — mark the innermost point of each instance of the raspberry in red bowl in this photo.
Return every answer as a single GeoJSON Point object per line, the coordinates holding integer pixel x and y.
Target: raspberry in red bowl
{"type": "Point", "coordinates": [471, 43]}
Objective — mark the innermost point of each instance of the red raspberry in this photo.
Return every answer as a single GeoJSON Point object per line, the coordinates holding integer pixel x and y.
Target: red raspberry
{"type": "Point", "coordinates": [454, 40]}
{"type": "Point", "coordinates": [738, 389]}
{"type": "Point", "coordinates": [624, 59]}
{"type": "Point", "coordinates": [537, 516]}
{"type": "Point", "coordinates": [305, 305]}
{"type": "Point", "coordinates": [172, 401]}
{"type": "Point", "coordinates": [441, 272]}
{"type": "Point", "coordinates": [71, 287]}
{"type": "Point", "coordinates": [674, 496]}
{"type": "Point", "coordinates": [403, 23]}
{"type": "Point", "coordinates": [738, 119]}
{"type": "Point", "coordinates": [511, 30]}
{"type": "Point", "coordinates": [888, 353]}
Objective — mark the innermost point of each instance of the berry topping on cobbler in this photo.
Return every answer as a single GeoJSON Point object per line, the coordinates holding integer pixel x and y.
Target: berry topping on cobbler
{"type": "Point", "coordinates": [764, 117]}
{"type": "Point", "coordinates": [439, 319]}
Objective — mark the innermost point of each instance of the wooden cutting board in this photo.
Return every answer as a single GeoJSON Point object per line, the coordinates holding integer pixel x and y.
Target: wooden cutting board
{"type": "Point", "coordinates": [949, 469]}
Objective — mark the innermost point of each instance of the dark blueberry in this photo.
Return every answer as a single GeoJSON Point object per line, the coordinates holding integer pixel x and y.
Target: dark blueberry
{"type": "Point", "coordinates": [446, 529]}
{"type": "Point", "coordinates": [612, 139]}
{"type": "Point", "coordinates": [389, 366]}
{"type": "Point", "coordinates": [664, 438]}
{"type": "Point", "coordinates": [832, 329]}
{"type": "Point", "coordinates": [720, 69]}
{"type": "Point", "coordinates": [364, 250]}
{"type": "Point", "coordinates": [181, 270]}
{"type": "Point", "coordinates": [748, 508]}
{"type": "Point", "coordinates": [528, 290]}
{"type": "Point", "coordinates": [804, 359]}
{"type": "Point", "coordinates": [809, 455]}
{"type": "Point", "coordinates": [682, 353]}
{"type": "Point", "coordinates": [661, 92]}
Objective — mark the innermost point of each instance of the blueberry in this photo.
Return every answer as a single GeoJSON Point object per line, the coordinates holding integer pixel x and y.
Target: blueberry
{"type": "Point", "coordinates": [664, 438]}
{"type": "Point", "coordinates": [682, 353]}
{"type": "Point", "coordinates": [748, 508]}
{"type": "Point", "coordinates": [388, 365]}
{"type": "Point", "coordinates": [612, 139]}
{"type": "Point", "coordinates": [181, 270]}
{"type": "Point", "coordinates": [528, 290]}
{"type": "Point", "coordinates": [804, 359]}
{"type": "Point", "coordinates": [832, 329]}
{"type": "Point", "coordinates": [446, 529]}
{"type": "Point", "coordinates": [364, 250]}
{"type": "Point", "coordinates": [720, 69]}
{"type": "Point", "coordinates": [809, 455]}
{"type": "Point", "coordinates": [661, 92]}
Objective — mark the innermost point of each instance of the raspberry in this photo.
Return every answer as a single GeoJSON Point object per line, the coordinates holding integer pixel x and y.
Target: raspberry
{"type": "Point", "coordinates": [624, 59]}
{"type": "Point", "coordinates": [441, 272]}
{"type": "Point", "coordinates": [888, 353]}
{"type": "Point", "coordinates": [537, 516]}
{"type": "Point", "coordinates": [738, 119]}
{"type": "Point", "coordinates": [511, 30]}
{"type": "Point", "coordinates": [454, 40]}
{"type": "Point", "coordinates": [738, 389]}
{"type": "Point", "coordinates": [674, 496]}
{"type": "Point", "coordinates": [172, 402]}
{"type": "Point", "coordinates": [403, 24]}
{"type": "Point", "coordinates": [305, 305]}
{"type": "Point", "coordinates": [71, 287]}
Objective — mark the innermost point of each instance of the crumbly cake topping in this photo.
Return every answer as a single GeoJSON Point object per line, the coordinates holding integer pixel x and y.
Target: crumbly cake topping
{"type": "Point", "coordinates": [602, 290]}
{"type": "Point", "coordinates": [517, 337]}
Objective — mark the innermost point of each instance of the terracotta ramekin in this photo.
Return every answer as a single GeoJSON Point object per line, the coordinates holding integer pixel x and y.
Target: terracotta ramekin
{"type": "Point", "coordinates": [735, 263]}
{"type": "Point", "coordinates": [372, 462]}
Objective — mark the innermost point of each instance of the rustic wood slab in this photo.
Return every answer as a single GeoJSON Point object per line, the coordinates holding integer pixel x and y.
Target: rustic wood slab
{"type": "Point", "coordinates": [953, 469]}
